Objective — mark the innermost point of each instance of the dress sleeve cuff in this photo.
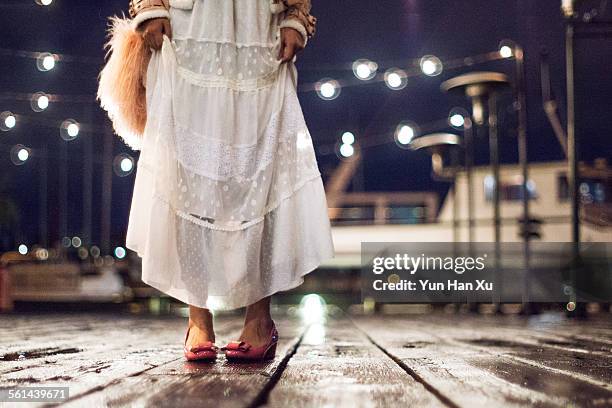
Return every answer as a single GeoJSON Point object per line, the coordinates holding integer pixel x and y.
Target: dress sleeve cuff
{"type": "Point", "coordinates": [296, 25]}
{"type": "Point", "coordinates": [148, 15]}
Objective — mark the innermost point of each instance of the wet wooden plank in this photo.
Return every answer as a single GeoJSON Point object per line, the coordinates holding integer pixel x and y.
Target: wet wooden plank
{"type": "Point", "coordinates": [66, 349]}
{"type": "Point", "coordinates": [337, 366]}
{"type": "Point", "coordinates": [457, 373]}
{"type": "Point", "coordinates": [586, 361]}
{"type": "Point", "coordinates": [111, 351]}
{"type": "Point", "coordinates": [192, 384]}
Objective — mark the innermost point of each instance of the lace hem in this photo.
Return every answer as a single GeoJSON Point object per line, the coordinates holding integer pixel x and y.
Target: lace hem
{"type": "Point", "coordinates": [239, 85]}
{"type": "Point", "coordinates": [243, 225]}
{"type": "Point", "coordinates": [229, 42]}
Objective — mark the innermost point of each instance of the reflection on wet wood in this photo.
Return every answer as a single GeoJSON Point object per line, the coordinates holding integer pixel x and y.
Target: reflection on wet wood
{"type": "Point", "coordinates": [405, 360]}
{"type": "Point", "coordinates": [486, 362]}
{"type": "Point", "coordinates": [336, 365]}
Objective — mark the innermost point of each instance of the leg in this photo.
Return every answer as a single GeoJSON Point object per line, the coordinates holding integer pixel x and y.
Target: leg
{"type": "Point", "coordinates": [257, 323]}
{"type": "Point", "coordinates": [201, 326]}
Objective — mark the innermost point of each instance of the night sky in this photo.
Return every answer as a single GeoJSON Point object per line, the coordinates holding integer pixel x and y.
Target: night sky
{"type": "Point", "coordinates": [390, 32]}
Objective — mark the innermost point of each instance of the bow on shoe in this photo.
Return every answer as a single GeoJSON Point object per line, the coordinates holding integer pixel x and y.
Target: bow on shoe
{"type": "Point", "coordinates": [206, 346]}
{"type": "Point", "coordinates": [237, 346]}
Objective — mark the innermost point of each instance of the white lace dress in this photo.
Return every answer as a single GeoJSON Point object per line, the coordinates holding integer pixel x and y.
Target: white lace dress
{"type": "Point", "coordinates": [228, 205]}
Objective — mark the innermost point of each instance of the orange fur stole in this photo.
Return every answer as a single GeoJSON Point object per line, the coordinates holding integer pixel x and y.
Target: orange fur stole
{"type": "Point", "coordinates": [121, 89]}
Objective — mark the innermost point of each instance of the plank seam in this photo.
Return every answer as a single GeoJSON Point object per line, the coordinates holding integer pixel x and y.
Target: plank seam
{"type": "Point", "coordinates": [575, 376]}
{"type": "Point", "coordinates": [443, 398]}
{"type": "Point", "coordinates": [262, 397]}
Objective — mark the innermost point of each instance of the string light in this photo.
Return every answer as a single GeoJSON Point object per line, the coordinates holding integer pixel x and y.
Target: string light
{"type": "Point", "coordinates": [7, 121]}
{"type": "Point", "coordinates": [70, 129]}
{"type": "Point", "coordinates": [23, 249]}
{"type": "Point", "coordinates": [404, 133]}
{"type": "Point", "coordinates": [457, 117]}
{"type": "Point", "coordinates": [328, 89]}
{"type": "Point", "coordinates": [506, 51]}
{"type": "Point", "coordinates": [431, 65]}
{"type": "Point", "coordinates": [44, 2]}
{"type": "Point", "coordinates": [396, 79]}
{"type": "Point", "coordinates": [20, 154]}
{"type": "Point", "coordinates": [123, 165]}
{"type": "Point", "coordinates": [346, 150]}
{"type": "Point", "coordinates": [46, 61]}
{"type": "Point", "coordinates": [365, 69]}
{"type": "Point", "coordinates": [40, 102]}
{"type": "Point", "coordinates": [348, 138]}
{"type": "Point", "coordinates": [120, 252]}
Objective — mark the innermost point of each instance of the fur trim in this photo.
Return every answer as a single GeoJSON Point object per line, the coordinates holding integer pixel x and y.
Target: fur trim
{"type": "Point", "coordinates": [296, 25]}
{"type": "Point", "coordinates": [277, 8]}
{"type": "Point", "coordinates": [182, 4]}
{"type": "Point", "coordinates": [148, 15]}
{"type": "Point", "coordinates": [121, 89]}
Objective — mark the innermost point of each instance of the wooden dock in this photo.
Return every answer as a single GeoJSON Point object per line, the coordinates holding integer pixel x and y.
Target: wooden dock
{"type": "Point", "coordinates": [432, 360]}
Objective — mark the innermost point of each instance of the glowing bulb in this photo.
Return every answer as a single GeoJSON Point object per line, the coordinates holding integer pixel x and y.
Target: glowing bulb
{"type": "Point", "coordinates": [364, 69]}
{"type": "Point", "coordinates": [348, 138]}
{"type": "Point", "coordinates": [395, 79]}
{"type": "Point", "coordinates": [23, 154]}
{"type": "Point", "coordinates": [457, 120]}
{"type": "Point", "coordinates": [328, 89]}
{"type": "Point", "coordinates": [347, 150]}
{"type": "Point", "coordinates": [120, 252]}
{"type": "Point", "coordinates": [23, 249]}
{"type": "Point", "coordinates": [48, 62]}
{"type": "Point", "coordinates": [10, 121]}
{"type": "Point", "coordinates": [505, 52]}
{"type": "Point", "coordinates": [127, 164]}
{"type": "Point", "coordinates": [73, 130]}
{"type": "Point", "coordinates": [431, 65]}
{"type": "Point", "coordinates": [43, 102]}
{"type": "Point", "coordinates": [405, 134]}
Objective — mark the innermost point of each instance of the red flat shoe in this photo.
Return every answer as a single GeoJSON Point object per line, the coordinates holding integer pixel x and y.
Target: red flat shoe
{"type": "Point", "coordinates": [206, 351]}
{"type": "Point", "coordinates": [243, 351]}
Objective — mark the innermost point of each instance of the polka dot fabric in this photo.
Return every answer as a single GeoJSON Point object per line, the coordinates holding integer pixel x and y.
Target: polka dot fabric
{"type": "Point", "coordinates": [228, 205]}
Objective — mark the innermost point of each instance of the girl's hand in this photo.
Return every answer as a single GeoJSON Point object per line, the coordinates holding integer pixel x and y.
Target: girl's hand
{"type": "Point", "coordinates": [291, 43]}
{"type": "Point", "coordinates": [153, 32]}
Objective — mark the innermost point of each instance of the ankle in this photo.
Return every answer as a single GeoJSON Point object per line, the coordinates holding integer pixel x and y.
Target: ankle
{"type": "Point", "coordinates": [258, 320]}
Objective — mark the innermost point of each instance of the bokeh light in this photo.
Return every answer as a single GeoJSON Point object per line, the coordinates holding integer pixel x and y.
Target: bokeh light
{"type": "Point", "coordinates": [396, 79]}
{"type": "Point", "coordinates": [40, 101]}
{"type": "Point", "coordinates": [404, 133]}
{"type": "Point", "coordinates": [123, 165]}
{"type": "Point", "coordinates": [431, 65]}
{"type": "Point", "coordinates": [328, 89]}
{"type": "Point", "coordinates": [7, 121]}
{"type": "Point", "coordinates": [46, 61]}
{"type": "Point", "coordinates": [506, 51]}
{"type": "Point", "coordinates": [313, 309]}
{"type": "Point", "coordinates": [70, 129]}
{"type": "Point", "coordinates": [346, 150]}
{"type": "Point", "coordinates": [348, 138]}
{"type": "Point", "coordinates": [20, 154]}
{"type": "Point", "coordinates": [458, 117]}
{"type": "Point", "coordinates": [365, 69]}
{"type": "Point", "coordinates": [120, 252]}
